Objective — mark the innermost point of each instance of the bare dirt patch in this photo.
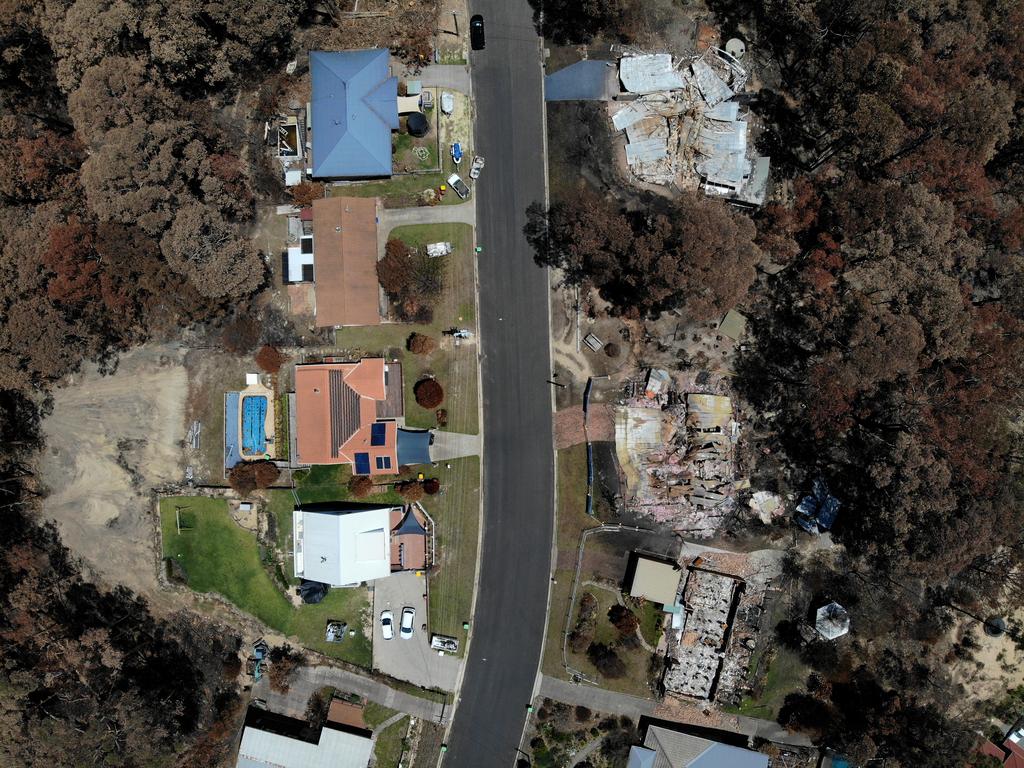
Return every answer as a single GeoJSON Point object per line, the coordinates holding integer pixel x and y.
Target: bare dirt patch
{"type": "Point", "coordinates": [110, 439]}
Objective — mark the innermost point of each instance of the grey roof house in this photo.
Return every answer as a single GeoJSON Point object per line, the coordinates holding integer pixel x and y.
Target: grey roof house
{"type": "Point", "coordinates": [667, 748]}
{"type": "Point", "coordinates": [354, 110]}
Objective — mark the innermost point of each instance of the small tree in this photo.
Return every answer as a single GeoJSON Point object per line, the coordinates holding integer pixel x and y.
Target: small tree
{"type": "Point", "coordinates": [393, 271]}
{"type": "Point", "coordinates": [360, 486]}
{"type": "Point", "coordinates": [431, 486]}
{"type": "Point", "coordinates": [270, 359]}
{"type": "Point", "coordinates": [612, 349]}
{"type": "Point", "coordinates": [284, 661]}
{"type": "Point", "coordinates": [305, 193]}
{"type": "Point", "coordinates": [247, 476]}
{"type": "Point", "coordinates": [411, 490]}
{"type": "Point", "coordinates": [421, 344]}
{"type": "Point", "coordinates": [606, 660]}
{"type": "Point", "coordinates": [623, 619]}
{"type": "Point", "coordinates": [429, 394]}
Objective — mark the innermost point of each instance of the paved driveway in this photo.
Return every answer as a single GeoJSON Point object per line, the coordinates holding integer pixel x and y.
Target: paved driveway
{"type": "Point", "coordinates": [412, 659]}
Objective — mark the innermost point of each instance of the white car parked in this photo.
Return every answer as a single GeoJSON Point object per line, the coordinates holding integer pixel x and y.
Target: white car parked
{"type": "Point", "coordinates": [387, 624]}
{"type": "Point", "coordinates": [408, 618]}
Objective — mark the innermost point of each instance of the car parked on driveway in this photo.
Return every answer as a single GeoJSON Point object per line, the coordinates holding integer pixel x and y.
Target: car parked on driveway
{"type": "Point", "coordinates": [476, 32]}
{"type": "Point", "coordinates": [456, 183]}
{"type": "Point", "coordinates": [408, 619]}
{"type": "Point", "coordinates": [387, 624]}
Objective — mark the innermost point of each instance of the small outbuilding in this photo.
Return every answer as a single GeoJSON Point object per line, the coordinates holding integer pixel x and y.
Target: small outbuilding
{"type": "Point", "coordinates": [655, 580]}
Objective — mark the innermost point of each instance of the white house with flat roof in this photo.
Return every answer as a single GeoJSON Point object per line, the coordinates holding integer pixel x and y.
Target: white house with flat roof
{"type": "Point", "coordinates": [341, 545]}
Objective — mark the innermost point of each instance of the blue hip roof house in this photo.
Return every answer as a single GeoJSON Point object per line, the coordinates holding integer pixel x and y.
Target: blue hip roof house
{"type": "Point", "coordinates": [355, 108]}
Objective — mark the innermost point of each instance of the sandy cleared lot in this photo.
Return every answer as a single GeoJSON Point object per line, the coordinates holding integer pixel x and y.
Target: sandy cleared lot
{"type": "Point", "coordinates": [110, 439]}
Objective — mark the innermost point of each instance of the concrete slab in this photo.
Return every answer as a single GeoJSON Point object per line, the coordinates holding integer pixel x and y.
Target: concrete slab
{"type": "Point", "coordinates": [412, 659]}
{"type": "Point", "coordinates": [453, 445]}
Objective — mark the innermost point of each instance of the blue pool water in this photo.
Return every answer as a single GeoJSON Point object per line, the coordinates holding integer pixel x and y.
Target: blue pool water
{"type": "Point", "coordinates": [254, 414]}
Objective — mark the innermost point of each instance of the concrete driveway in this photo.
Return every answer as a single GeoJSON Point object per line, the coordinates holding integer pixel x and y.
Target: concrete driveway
{"type": "Point", "coordinates": [412, 659]}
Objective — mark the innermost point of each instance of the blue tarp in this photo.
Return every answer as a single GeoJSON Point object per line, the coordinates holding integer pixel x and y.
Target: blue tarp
{"type": "Point", "coordinates": [232, 455]}
{"type": "Point", "coordinates": [582, 81]}
{"type": "Point", "coordinates": [355, 108]}
{"type": "Point", "coordinates": [254, 416]}
{"type": "Point", "coordinates": [413, 447]}
{"type": "Point", "coordinates": [817, 512]}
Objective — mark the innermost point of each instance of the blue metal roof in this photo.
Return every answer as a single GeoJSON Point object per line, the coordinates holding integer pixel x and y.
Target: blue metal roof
{"type": "Point", "coordinates": [355, 108]}
{"type": "Point", "coordinates": [413, 447]}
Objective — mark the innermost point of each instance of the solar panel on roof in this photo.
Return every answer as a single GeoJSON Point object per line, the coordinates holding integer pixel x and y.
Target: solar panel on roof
{"type": "Point", "coordinates": [378, 434]}
{"type": "Point", "coordinates": [362, 463]}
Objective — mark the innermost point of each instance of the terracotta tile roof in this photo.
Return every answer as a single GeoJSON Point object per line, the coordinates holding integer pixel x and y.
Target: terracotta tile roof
{"type": "Point", "coordinates": [336, 406]}
{"type": "Point", "coordinates": [345, 259]}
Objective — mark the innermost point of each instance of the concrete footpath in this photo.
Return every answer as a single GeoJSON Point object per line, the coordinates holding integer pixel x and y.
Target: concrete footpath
{"type": "Point", "coordinates": [308, 680]}
{"type": "Point", "coordinates": [614, 703]}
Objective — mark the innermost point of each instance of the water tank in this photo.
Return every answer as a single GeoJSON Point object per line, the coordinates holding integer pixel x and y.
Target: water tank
{"type": "Point", "coordinates": [417, 124]}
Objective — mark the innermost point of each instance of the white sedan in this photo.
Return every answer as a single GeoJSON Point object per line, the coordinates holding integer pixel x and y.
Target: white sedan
{"type": "Point", "coordinates": [387, 624]}
{"type": "Point", "coordinates": [408, 618]}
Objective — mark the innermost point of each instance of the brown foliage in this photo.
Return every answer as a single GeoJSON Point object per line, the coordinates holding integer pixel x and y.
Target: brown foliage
{"type": "Point", "coordinates": [284, 662]}
{"type": "Point", "coordinates": [431, 486]}
{"type": "Point", "coordinates": [612, 349]}
{"type": "Point", "coordinates": [305, 193]}
{"type": "Point", "coordinates": [360, 486]}
{"type": "Point", "coordinates": [429, 393]}
{"type": "Point", "coordinates": [623, 619]}
{"type": "Point", "coordinates": [247, 476]}
{"type": "Point", "coordinates": [393, 270]}
{"type": "Point", "coordinates": [410, 490]}
{"type": "Point", "coordinates": [421, 344]}
{"type": "Point", "coordinates": [270, 359]}
{"type": "Point", "coordinates": [240, 335]}
{"type": "Point", "coordinates": [441, 414]}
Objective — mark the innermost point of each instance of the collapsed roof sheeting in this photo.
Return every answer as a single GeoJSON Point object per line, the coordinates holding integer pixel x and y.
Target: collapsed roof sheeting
{"type": "Point", "coordinates": [649, 73]}
{"type": "Point", "coordinates": [712, 87]}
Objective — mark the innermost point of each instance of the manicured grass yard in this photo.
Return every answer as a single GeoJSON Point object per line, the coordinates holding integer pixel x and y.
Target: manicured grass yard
{"type": "Point", "coordinates": [219, 556]}
{"type": "Point", "coordinates": [572, 521]}
{"type": "Point", "coordinates": [454, 367]}
{"type": "Point", "coordinates": [390, 745]}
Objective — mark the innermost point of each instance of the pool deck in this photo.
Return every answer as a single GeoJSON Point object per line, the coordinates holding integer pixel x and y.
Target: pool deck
{"type": "Point", "coordinates": [233, 425]}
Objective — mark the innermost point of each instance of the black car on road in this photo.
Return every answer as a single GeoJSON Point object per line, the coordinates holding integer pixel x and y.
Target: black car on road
{"type": "Point", "coordinates": [476, 32]}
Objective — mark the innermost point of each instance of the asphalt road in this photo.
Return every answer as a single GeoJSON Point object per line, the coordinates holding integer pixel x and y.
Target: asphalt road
{"type": "Point", "coordinates": [511, 607]}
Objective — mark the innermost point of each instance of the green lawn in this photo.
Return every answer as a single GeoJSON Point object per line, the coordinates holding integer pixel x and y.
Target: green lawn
{"type": "Point", "coordinates": [456, 513]}
{"type": "Point", "coordinates": [572, 521]}
{"type": "Point", "coordinates": [786, 674]}
{"type": "Point", "coordinates": [390, 746]}
{"type": "Point", "coordinates": [219, 556]}
{"type": "Point", "coordinates": [652, 619]}
{"type": "Point", "coordinates": [401, 191]}
{"type": "Point", "coordinates": [454, 367]}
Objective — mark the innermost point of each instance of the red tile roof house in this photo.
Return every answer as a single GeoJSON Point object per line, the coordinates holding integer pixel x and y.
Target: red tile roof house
{"type": "Point", "coordinates": [346, 413]}
{"type": "Point", "coordinates": [1011, 753]}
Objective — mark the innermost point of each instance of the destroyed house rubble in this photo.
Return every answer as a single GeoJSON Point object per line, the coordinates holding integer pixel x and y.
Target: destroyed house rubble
{"type": "Point", "coordinates": [677, 455]}
{"type": "Point", "coordinates": [683, 127]}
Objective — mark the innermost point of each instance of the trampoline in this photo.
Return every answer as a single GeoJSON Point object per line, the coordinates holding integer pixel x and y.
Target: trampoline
{"type": "Point", "coordinates": [254, 415]}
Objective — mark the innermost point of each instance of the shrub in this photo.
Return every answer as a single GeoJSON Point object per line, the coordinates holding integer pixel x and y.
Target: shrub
{"type": "Point", "coordinates": [431, 486]}
{"type": "Point", "coordinates": [240, 335]}
{"type": "Point", "coordinates": [360, 486]}
{"type": "Point", "coordinates": [393, 271]}
{"type": "Point", "coordinates": [429, 394]}
{"type": "Point", "coordinates": [250, 475]}
{"type": "Point", "coordinates": [580, 639]}
{"type": "Point", "coordinates": [284, 660]}
{"type": "Point", "coordinates": [305, 193]}
{"type": "Point", "coordinates": [421, 344]}
{"type": "Point", "coordinates": [612, 349]}
{"type": "Point", "coordinates": [442, 417]}
{"type": "Point", "coordinates": [582, 714]}
{"type": "Point", "coordinates": [623, 619]}
{"type": "Point", "coordinates": [270, 359]}
{"type": "Point", "coordinates": [411, 490]}
{"type": "Point", "coordinates": [606, 660]}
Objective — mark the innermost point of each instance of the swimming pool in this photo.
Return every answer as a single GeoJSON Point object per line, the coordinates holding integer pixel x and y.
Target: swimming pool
{"type": "Point", "coordinates": [254, 435]}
